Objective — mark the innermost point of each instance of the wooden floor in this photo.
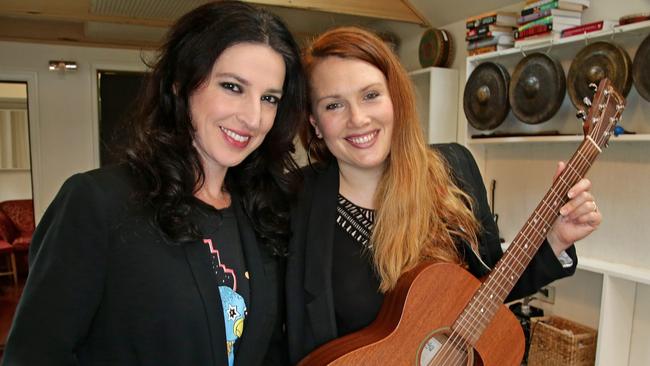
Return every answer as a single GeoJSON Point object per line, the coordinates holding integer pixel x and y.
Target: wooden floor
{"type": "Point", "coordinates": [9, 295]}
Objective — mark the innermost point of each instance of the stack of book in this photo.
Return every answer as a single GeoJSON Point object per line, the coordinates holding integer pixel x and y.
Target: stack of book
{"type": "Point", "coordinates": [490, 32]}
{"type": "Point", "coordinates": [543, 20]}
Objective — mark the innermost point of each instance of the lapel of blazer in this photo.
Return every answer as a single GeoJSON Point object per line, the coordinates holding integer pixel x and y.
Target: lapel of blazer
{"type": "Point", "coordinates": [199, 261]}
{"type": "Point", "coordinates": [318, 254]}
{"type": "Point", "coordinates": [263, 307]}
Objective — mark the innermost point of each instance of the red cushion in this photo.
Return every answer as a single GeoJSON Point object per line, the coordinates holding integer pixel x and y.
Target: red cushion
{"type": "Point", "coordinates": [7, 229]}
{"type": "Point", "coordinates": [21, 213]}
{"type": "Point", "coordinates": [22, 242]}
{"type": "Point", "coordinates": [5, 247]}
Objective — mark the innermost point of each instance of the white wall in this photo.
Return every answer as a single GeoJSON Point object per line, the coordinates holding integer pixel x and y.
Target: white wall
{"type": "Point", "coordinates": [66, 107]}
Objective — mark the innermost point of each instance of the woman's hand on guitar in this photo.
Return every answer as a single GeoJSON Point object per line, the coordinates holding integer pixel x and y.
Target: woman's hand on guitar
{"type": "Point", "coordinates": [578, 217]}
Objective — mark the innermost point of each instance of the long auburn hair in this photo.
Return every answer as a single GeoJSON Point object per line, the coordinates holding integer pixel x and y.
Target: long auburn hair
{"type": "Point", "coordinates": [166, 163]}
{"type": "Point", "coordinates": [406, 229]}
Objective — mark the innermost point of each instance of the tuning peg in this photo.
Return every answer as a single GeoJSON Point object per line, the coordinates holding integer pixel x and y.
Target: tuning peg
{"type": "Point", "coordinates": [581, 115]}
{"type": "Point", "coordinates": [593, 87]}
{"type": "Point", "coordinates": [587, 101]}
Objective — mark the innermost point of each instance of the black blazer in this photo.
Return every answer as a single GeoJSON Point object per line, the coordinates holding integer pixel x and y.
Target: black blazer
{"type": "Point", "coordinates": [310, 307]}
{"type": "Point", "coordinates": [105, 288]}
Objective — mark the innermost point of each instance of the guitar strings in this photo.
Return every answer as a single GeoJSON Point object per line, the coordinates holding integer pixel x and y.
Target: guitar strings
{"type": "Point", "coordinates": [456, 339]}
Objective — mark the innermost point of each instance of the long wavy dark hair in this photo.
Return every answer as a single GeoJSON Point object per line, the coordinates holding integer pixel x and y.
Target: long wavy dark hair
{"type": "Point", "coordinates": [161, 152]}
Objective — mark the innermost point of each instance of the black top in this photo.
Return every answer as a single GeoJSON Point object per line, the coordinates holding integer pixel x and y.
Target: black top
{"type": "Point", "coordinates": [354, 283]}
{"type": "Point", "coordinates": [223, 245]}
{"type": "Point", "coordinates": [311, 315]}
{"type": "Point", "coordinates": [105, 288]}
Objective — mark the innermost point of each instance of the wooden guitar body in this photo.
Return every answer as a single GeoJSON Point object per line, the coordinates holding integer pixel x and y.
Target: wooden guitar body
{"type": "Point", "coordinates": [418, 308]}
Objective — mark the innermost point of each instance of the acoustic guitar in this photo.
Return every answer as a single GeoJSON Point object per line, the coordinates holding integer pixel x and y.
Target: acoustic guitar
{"type": "Point", "coordinates": [440, 314]}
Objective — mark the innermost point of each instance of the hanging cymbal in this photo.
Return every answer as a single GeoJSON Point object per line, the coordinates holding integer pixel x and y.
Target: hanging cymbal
{"type": "Point", "coordinates": [593, 63]}
{"type": "Point", "coordinates": [485, 100]}
{"type": "Point", "coordinates": [640, 69]}
{"type": "Point", "coordinates": [537, 88]}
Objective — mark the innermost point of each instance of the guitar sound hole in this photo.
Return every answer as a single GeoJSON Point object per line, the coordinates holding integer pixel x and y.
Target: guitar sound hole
{"type": "Point", "coordinates": [438, 350]}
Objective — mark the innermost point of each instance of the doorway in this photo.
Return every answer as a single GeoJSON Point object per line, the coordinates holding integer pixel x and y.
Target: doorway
{"type": "Point", "coordinates": [16, 196]}
{"type": "Point", "coordinates": [117, 91]}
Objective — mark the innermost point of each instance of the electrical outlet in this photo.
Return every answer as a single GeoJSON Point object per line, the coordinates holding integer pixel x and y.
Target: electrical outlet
{"type": "Point", "coordinates": [546, 294]}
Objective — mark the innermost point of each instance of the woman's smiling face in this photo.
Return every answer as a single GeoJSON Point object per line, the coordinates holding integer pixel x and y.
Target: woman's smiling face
{"type": "Point", "coordinates": [352, 110]}
{"type": "Point", "coordinates": [234, 109]}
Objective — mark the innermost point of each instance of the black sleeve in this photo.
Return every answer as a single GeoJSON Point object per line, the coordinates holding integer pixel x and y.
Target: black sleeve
{"type": "Point", "coordinates": [67, 268]}
{"type": "Point", "coordinates": [544, 267]}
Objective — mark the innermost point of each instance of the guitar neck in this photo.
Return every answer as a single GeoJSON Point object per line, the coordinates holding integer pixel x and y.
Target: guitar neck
{"type": "Point", "coordinates": [600, 123]}
{"type": "Point", "coordinates": [508, 270]}
{"type": "Point", "coordinates": [532, 235]}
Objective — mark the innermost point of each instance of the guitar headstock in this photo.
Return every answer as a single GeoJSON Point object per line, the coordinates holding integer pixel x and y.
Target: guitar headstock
{"type": "Point", "coordinates": [604, 113]}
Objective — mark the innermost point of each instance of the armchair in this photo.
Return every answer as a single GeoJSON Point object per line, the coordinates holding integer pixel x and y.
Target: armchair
{"type": "Point", "coordinates": [16, 229]}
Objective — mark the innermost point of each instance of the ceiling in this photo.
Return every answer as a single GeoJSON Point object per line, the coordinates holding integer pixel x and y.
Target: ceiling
{"type": "Point", "coordinates": [142, 23]}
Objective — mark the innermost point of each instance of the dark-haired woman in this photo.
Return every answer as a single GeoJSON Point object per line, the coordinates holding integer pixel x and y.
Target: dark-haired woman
{"type": "Point", "coordinates": [175, 257]}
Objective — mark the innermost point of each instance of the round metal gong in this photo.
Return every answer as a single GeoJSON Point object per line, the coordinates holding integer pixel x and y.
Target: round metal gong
{"type": "Point", "coordinates": [592, 64]}
{"type": "Point", "coordinates": [485, 100]}
{"type": "Point", "coordinates": [641, 69]}
{"type": "Point", "coordinates": [537, 88]}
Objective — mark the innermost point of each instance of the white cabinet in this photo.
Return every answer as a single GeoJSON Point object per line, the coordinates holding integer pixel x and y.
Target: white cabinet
{"type": "Point", "coordinates": [611, 290]}
{"type": "Point", "coordinates": [436, 91]}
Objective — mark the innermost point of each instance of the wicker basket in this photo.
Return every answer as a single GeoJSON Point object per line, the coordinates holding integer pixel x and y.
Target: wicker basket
{"type": "Point", "coordinates": [557, 341]}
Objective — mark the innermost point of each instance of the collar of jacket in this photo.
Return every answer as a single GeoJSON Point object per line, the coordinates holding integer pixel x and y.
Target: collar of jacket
{"type": "Point", "coordinates": [318, 252]}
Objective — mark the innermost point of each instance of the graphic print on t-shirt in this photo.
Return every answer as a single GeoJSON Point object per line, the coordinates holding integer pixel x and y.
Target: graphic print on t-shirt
{"type": "Point", "coordinates": [233, 304]}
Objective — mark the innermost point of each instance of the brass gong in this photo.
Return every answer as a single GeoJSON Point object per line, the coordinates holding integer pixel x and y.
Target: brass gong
{"type": "Point", "coordinates": [485, 99]}
{"type": "Point", "coordinates": [595, 62]}
{"type": "Point", "coordinates": [641, 69]}
{"type": "Point", "coordinates": [537, 88]}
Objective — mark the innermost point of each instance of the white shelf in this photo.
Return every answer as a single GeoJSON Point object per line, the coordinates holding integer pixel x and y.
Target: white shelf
{"type": "Point", "coordinates": [545, 139]}
{"type": "Point", "coordinates": [623, 271]}
{"type": "Point", "coordinates": [633, 29]}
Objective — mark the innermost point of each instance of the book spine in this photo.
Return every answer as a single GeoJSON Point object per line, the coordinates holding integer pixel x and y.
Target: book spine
{"type": "Point", "coordinates": [488, 20]}
{"type": "Point", "coordinates": [549, 6]}
{"type": "Point", "coordinates": [497, 39]}
{"type": "Point", "coordinates": [477, 37]}
{"type": "Point", "coordinates": [536, 4]}
{"type": "Point", "coordinates": [585, 28]}
{"type": "Point", "coordinates": [545, 20]}
{"type": "Point", "coordinates": [483, 30]}
{"type": "Point", "coordinates": [534, 16]}
{"type": "Point", "coordinates": [534, 30]}
{"type": "Point", "coordinates": [481, 50]}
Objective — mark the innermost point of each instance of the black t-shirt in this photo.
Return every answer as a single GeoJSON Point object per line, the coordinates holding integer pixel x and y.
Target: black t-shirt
{"type": "Point", "coordinates": [223, 244]}
{"type": "Point", "coordinates": [355, 285]}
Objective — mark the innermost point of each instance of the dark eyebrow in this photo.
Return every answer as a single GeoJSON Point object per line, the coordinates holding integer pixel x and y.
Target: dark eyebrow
{"type": "Point", "coordinates": [246, 82]}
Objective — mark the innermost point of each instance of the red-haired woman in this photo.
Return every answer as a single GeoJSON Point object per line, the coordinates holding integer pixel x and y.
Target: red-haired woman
{"type": "Point", "coordinates": [378, 200]}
